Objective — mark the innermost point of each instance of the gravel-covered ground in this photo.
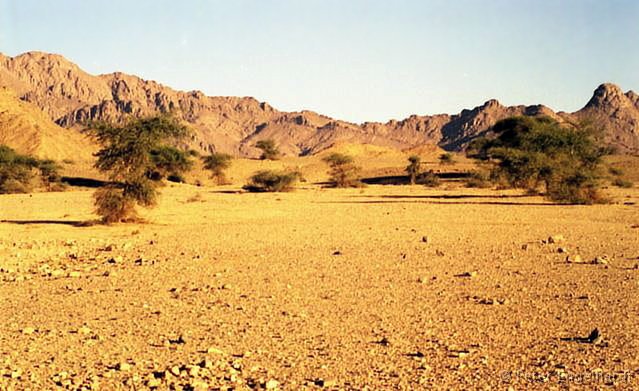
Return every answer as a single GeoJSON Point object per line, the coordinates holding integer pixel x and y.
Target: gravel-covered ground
{"type": "Point", "coordinates": [387, 287]}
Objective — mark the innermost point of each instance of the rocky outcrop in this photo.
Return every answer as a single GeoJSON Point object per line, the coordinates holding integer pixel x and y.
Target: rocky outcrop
{"type": "Point", "coordinates": [72, 98]}
{"type": "Point", "coordinates": [617, 114]}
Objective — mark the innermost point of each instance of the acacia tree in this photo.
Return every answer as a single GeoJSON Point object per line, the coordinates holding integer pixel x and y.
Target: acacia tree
{"type": "Point", "coordinates": [126, 158]}
{"type": "Point", "coordinates": [530, 152]}
{"type": "Point", "coordinates": [217, 163]}
{"type": "Point", "coordinates": [413, 168]}
{"type": "Point", "coordinates": [269, 149]}
{"type": "Point", "coordinates": [343, 172]}
{"type": "Point", "coordinates": [169, 162]}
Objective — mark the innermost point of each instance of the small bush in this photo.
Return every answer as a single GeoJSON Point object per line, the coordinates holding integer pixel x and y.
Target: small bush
{"type": "Point", "coordinates": [623, 183]}
{"type": "Point", "coordinates": [343, 172]}
{"type": "Point", "coordinates": [478, 179]}
{"type": "Point", "coordinates": [269, 149]}
{"type": "Point", "coordinates": [217, 163]}
{"type": "Point", "coordinates": [446, 158]}
{"type": "Point", "coordinates": [428, 179]}
{"type": "Point", "coordinates": [272, 181]}
{"type": "Point", "coordinates": [414, 165]}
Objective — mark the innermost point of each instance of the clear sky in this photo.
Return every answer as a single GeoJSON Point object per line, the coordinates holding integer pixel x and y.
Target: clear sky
{"type": "Point", "coordinates": [352, 59]}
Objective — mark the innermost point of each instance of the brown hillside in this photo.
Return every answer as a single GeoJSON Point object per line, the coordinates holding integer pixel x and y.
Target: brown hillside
{"type": "Point", "coordinates": [25, 128]}
{"type": "Point", "coordinates": [71, 97]}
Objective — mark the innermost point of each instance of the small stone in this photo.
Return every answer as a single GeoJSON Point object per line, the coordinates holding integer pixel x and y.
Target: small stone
{"type": "Point", "coordinates": [57, 273]}
{"type": "Point", "coordinates": [123, 366]}
{"type": "Point", "coordinates": [325, 382]}
{"type": "Point", "coordinates": [28, 330]}
{"type": "Point", "coordinates": [424, 239]}
{"type": "Point", "coordinates": [574, 259]}
{"type": "Point", "coordinates": [602, 260]}
{"type": "Point", "coordinates": [213, 350]}
{"type": "Point", "coordinates": [84, 330]}
{"type": "Point", "coordinates": [175, 370]}
{"type": "Point", "coordinates": [556, 239]}
{"type": "Point", "coordinates": [423, 280]}
{"type": "Point", "coordinates": [271, 384]}
{"type": "Point", "coordinates": [74, 274]}
{"type": "Point", "coordinates": [154, 383]}
{"type": "Point", "coordinates": [562, 250]}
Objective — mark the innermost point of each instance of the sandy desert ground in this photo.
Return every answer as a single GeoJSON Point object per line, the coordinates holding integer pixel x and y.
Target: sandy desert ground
{"type": "Point", "coordinates": [386, 287]}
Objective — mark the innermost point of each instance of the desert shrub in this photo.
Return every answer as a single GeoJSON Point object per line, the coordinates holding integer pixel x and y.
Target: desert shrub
{"type": "Point", "coordinates": [446, 158]}
{"type": "Point", "coordinates": [414, 165]}
{"type": "Point", "coordinates": [169, 162]}
{"type": "Point", "coordinates": [428, 179]}
{"type": "Point", "coordinates": [270, 151]}
{"type": "Point", "coordinates": [530, 152]}
{"type": "Point", "coordinates": [478, 179]}
{"type": "Point", "coordinates": [126, 156]}
{"type": "Point", "coordinates": [272, 181]}
{"type": "Point", "coordinates": [343, 171]}
{"type": "Point", "coordinates": [623, 183]}
{"type": "Point", "coordinates": [218, 163]}
{"type": "Point", "coordinates": [18, 172]}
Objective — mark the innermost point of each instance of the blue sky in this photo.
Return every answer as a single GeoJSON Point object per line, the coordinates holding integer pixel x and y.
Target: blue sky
{"type": "Point", "coordinates": [352, 59]}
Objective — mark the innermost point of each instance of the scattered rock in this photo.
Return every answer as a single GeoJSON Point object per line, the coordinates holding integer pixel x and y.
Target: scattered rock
{"type": "Point", "coordinates": [556, 239]}
{"type": "Point", "coordinates": [574, 259]}
{"type": "Point", "coordinates": [325, 382]}
{"type": "Point", "coordinates": [271, 384]}
{"type": "Point", "coordinates": [562, 250]}
{"type": "Point", "coordinates": [74, 274]}
{"type": "Point", "coordinates": [601, 260]}
{"type": "Point", "coordinates": [123, 366]}
{"type": "Point", "coordinates": [28, 330]}
{"type": "Point", "coordinates": [424, 239]}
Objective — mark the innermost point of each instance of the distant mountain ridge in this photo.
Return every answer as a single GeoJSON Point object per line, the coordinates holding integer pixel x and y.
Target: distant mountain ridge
{"type": "Point", "coordinates": [71, 97]}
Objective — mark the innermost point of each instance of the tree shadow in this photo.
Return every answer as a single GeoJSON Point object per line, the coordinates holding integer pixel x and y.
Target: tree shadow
{"type": "Point", "coordinates": [446, 196]}
{"type": "Point", "coordinates": [434, 202]}
{"type": "Point", "coordinates": [84, 182]}
{"type": "Point", "coordinates": [72, 223]}
{"type": "Point", "coordinates": [405, 180]}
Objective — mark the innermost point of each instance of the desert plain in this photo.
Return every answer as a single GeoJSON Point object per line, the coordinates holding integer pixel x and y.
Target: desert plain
{"type": "Point", "coordinates": [383, 287]}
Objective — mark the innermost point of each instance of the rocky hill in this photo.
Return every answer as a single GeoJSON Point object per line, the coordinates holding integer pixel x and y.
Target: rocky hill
{"type": "Point", "coordinates": [70, 98]}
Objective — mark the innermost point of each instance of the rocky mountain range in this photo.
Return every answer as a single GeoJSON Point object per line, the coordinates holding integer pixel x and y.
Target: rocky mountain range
{"type": "Point", "coordinates": [69, 97]}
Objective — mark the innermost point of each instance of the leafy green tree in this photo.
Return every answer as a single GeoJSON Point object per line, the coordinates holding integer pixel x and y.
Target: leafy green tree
{"type": "Point", "coordinates": [127, 159]}
{"type": "Point", "coordinates": [343, 171]}
{"type": "Point", "coordinates": [218, 163]}
{"type": "Point", "coordinates": [530, 152]}
{"type": "Point", "coordinates": [413, 168]}
{"type": "Point", "coordinates": [270, 151]}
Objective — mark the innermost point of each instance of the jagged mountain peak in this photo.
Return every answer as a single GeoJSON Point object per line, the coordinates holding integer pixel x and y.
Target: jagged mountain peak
{"type": "Point", "coordinates": [71, 97]}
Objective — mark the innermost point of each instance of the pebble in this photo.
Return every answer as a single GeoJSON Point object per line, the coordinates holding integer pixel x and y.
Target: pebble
{"type": "Point", "coordinates": [74, 274]}
{"type": "Point", "coordinates": [556, 239]}
{"type": "Point", "coordinates": [123, 366]}
{"type": "Point", "coordinates": [271, 384]}
{"type": "Point", "coordinates": [28, 330]}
